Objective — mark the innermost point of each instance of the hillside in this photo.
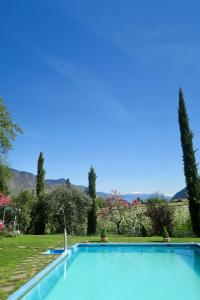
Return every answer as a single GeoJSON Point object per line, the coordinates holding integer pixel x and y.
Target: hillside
{"type": "Point", "coordinates": [180, 195]}
{"type": "Point", "coordinates": [25, 180]}
{"type": "Point", "coordinates": [21, 180]}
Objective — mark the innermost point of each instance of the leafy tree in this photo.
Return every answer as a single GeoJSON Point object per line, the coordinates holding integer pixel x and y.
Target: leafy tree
{"type": "Point", "coordinates": [8, 133]}
{"type": "Point", "coordinates": [8, 129]}
{"type": "Point", "coordinates": [24, 203]}
{"type": "Point", "coordinates": [40, 183]}
{"type": "Point", "coordinates": [92, 214]}
{"type": "Point", "coordinates": [117, 210]}
{"type": "Point", "coordinates": [190, 165]}
{"type": "Point", "coordinates": [75, 204]}
{"type": "Point", "coordinates": [101, 202]}
{"type": "Point", "coordinates": [161, 214]}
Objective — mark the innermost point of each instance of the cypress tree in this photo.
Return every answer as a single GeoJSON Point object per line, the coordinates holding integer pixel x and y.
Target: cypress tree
{"type": "Point", "coordinates": [190, 166]}
{"type": "Point", "coordinates": [39, 212]}
{"type": "Point", "coordinates": [92, 214]}
{"type": "Point", "coordinates": [40, 184]}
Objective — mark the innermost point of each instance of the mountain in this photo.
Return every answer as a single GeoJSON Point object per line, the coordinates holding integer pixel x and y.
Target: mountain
{"type": "Point", "coordinates": [180, 195]}
{"type": "Point", "coordinates": [21, 180]}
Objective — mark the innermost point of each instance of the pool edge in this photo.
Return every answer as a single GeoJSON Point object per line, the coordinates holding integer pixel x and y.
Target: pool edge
{"type": "Point", "coordinates": [24, 289]}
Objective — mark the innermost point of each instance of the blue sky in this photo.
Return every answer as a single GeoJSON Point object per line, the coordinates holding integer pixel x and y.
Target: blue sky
{"type": "Point", "coordinates": [96, 82]}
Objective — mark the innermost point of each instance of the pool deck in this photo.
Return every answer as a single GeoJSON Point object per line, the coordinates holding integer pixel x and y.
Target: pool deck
{"type": "Point", "coordinates": [36, 279]}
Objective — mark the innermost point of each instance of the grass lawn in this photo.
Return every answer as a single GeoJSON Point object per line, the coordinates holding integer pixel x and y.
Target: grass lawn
{"type": "Point", "coordinates": [21, 257]}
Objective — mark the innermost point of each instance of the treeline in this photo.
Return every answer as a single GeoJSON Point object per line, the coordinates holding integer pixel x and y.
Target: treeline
{"type": "Point", "coordinates": [41, 211]}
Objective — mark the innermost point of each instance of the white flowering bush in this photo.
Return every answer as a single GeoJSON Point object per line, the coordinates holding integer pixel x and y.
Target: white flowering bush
{"type": "Point", "coordinates": [131, 219]}
{"type": "Point", "coordinates": [182, 220]}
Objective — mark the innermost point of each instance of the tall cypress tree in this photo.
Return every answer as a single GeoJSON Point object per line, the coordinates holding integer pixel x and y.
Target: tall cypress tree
{"type": "Point", "coordinates": [92, 214]}
{"type": "Point", "coordinates": [40, 184]}
{"type": "Point", "coordinates": [190, 166]}
{"type": "Point", "coordinates": [39, 213]}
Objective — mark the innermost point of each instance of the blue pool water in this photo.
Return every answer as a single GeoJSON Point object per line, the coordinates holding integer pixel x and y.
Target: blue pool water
{"type": "Point", "coordinates": [118, 272]}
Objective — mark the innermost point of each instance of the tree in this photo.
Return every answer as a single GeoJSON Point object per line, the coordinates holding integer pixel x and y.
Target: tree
{"type": "Point", "coordinates": [8, 133]}
{"type": "Point", "coordinates": [39, 214]}
{"type": "Point", "coordinates": [40, 183]}
{"type": "Point", "coordinates": [8, 129]}
{"type": "Point", "coordinates": [68, 182]}
{"type": "Point", "coordinates": [75, 205]}
{"type": "Point", "coordinates": [117, 208]}
{"type": "Point", "coordinates": [4, 176]}
{"type": "Point", "coordinates": [92, 214]}
{"type": "Point", "coordinates": [161, 214]}
{"type": "Point", "coordinates": [23, 205]}
{"type": "Point", "coordinates": [190, 165]}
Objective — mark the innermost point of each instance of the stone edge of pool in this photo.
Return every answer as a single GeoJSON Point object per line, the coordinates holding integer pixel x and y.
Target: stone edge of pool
{"type": "Point", "coordinates": [23, 290]}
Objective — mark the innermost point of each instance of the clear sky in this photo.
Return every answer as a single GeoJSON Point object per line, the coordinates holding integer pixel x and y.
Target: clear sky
{"type": "Point", "coordinates": [96, 82]}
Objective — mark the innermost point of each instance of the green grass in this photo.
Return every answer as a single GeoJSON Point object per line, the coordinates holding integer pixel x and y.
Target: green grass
{"type": "Point", "coordinates": [21, 258]}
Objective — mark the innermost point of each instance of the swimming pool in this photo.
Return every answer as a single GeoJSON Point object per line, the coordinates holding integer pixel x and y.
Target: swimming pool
{"type": "Point", "coordinates": [121, 271]}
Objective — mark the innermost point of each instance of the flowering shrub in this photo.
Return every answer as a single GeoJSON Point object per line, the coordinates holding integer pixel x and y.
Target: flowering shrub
{"type": "Point", "coordinates": [182, 220]}
{"type": "Point", "coordinates": [118, 216]}
{"type": "Point", "coordinates": [4, 200]}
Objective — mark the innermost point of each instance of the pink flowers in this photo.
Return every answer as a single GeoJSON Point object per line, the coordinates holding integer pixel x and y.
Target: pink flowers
{"type": "Point", "coordinates": [4, 200]}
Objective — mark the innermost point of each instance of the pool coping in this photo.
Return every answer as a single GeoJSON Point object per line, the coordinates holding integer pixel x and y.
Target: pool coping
{"type": "Point", "coordinates": [24, 289]}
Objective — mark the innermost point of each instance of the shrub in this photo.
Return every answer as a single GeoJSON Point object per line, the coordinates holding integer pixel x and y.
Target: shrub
{"type": "Point", "coordinates": [161, 214]}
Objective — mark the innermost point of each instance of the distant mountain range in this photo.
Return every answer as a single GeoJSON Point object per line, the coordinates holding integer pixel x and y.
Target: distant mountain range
{"type": "Point", "coordinates": [21, 180]}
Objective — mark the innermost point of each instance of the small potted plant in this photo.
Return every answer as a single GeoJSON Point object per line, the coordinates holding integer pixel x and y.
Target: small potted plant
{"type": "Point", "coordinates": [166, 237]}
{"type": "Point", "coordinates": [103, 236]}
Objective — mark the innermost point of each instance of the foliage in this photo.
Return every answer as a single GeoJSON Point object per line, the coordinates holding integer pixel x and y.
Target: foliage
{"type": "Point", "coordinates": [75, 204]}
{"type": "Point", "coordinates": [8, 129]}
{"type": "Point", "coordinates": [92, 183]}
{"type": "Point", "coordinates": [103, 233]}
{"type": "Point", "coordinates": [24, 203]}
{"type": "Point", "coordinates": [117, 209]}
{"type": "Point", "coordinates": [40, 211]}
{"type": "Point", "coordinates": [136, 222]}
{"type": "Point", "coordinates": [132, 219]}
{"type": "Point", "coordinates": [68, 183]}
{"type": "Point", "coordinates": [160, 214]}
{"type": "Point", "coordinates": [165, 233]}
{"type": "Point", "coordinates": [5, 200]}
{"type": "Point", "coordinates": [40, 215]}
{"type": "Point", "coordinates": [122, 217]}
{"type": "Point", "coordinates": [8, 133]}
{"type": "Point", "coordinates": [190, 166]}
{"type": "Point", "coordinates": [4, 176]}
{"type": "Point", "coordinates": [181, 219]}
{"type": "Point", "coordinates": [101, 202]}
{"type": "Point", "coordinates": [92, 214]}
{"type": "Point", "coordinates": [40, 184]}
